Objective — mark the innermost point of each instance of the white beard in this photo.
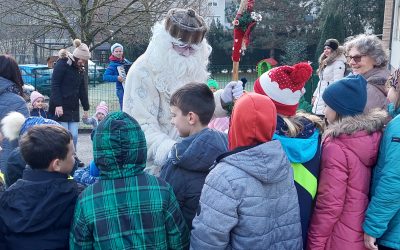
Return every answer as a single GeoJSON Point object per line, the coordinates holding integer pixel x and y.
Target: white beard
{"type": "Point", "coordinates": [174, 70]}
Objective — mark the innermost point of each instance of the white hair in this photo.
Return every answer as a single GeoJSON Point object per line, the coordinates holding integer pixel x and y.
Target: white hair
{"type": "Point", "coordinates": [176, 70]}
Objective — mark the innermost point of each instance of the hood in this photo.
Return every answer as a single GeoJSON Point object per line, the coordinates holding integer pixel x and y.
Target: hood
{"type": "Point", "coordinates": [33, 215]}
{"type": "Point", "coordinates": [119, 146]}
{"type": "Point", "coordinates": [358, 134]}
{"type": "Point", "coordinates": [5, 83]}
{"type": "Point", "coordinates": [253, 121]}
{"type": "Point", "coordinates": [337, 55]}
{"type": "Point", "coordinates": [266, 162]}
{"type": "Point", "coordinates": [198, 152]}
{"type": "Point", "coordinates": [377, 76]}
{"type": "Point", "coordinates": [304, 146]}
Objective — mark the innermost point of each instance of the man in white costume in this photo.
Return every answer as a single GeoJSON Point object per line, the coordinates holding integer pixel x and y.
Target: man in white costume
{"type": "Point", "coordinates": [176, 55]}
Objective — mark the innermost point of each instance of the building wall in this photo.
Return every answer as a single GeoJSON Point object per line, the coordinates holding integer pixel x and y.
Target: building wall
{"type": "Point", "coordinates": [216, 11]}
{"type": "Point", "coordinates": [395, 46]}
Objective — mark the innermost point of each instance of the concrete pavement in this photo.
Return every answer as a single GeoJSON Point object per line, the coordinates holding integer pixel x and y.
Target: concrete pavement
{"type": "Point", "coordinates": [84, 148]}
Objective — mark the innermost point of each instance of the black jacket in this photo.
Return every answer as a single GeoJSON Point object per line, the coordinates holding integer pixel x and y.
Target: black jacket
{"type": "Point", "coordinates": [67, 88]}
{"type": "Point", "coordinates": [188, 165]}
{"type": "Point", "coordinates": [36, 212]}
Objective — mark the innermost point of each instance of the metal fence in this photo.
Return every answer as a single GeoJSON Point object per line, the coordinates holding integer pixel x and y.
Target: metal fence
{"type": "Point", "coordinates": [106, 91]}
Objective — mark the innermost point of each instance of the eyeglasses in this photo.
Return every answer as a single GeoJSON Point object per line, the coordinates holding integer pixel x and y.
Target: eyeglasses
{"type": "Point", "coordinates": [356, 58]}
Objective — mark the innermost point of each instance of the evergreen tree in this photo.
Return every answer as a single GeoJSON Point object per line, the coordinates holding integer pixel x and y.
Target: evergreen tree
{"type": "Point", "coordinates": [333, 28]}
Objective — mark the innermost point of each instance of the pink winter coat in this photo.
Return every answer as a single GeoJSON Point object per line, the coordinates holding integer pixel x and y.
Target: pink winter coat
{"type": "Point", "coordinates": [349, 152]}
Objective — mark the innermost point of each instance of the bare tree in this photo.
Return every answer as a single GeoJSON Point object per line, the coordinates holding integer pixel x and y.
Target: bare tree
{"type": "Point", "coordinates": [93, 21]}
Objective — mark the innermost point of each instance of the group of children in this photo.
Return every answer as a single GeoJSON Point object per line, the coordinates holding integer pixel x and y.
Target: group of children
{"type": "Point", "coordinates": [278, 180]}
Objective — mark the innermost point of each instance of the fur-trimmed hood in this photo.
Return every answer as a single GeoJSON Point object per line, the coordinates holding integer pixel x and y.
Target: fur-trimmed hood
{"type": "Point", "coordinates": [335, 55]}
{"type": "Point", "coordinates": [373, 121]}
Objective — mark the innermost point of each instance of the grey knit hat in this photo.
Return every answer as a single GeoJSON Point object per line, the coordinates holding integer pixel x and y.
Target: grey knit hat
{"type": "Point", "coordinates": [185, 25]}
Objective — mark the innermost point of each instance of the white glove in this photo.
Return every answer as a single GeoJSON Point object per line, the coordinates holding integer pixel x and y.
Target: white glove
{"type": "Point", "coordinates": [232, 91]}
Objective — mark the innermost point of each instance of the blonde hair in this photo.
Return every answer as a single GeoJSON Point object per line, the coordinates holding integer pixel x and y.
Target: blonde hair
{"type": "Point", "coordinates": [295, 126]}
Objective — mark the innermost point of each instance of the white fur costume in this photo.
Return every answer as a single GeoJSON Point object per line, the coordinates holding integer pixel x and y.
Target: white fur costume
{"type": "Point", "coordinates": [152, 80]}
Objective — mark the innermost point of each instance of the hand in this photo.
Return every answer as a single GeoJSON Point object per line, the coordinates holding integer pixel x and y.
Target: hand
{"type": "Point", "coordinates": [232, 91]}
{"type": "Point", "coordinates": [59, 111]}
{"type": "Point", "coordinates": [313, 100]}
{"type": "Point", "coordinates": [120, 79]}
{"type": "Point", "coordinates": [370, 242]}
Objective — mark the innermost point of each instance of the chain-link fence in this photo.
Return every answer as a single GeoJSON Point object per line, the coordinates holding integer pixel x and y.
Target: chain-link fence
{"type": "Point", "coordinates": [106, 91]}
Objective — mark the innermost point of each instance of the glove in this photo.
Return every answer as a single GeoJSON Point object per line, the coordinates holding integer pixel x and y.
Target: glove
{"type": "Point", "coordinates": [232, 91]}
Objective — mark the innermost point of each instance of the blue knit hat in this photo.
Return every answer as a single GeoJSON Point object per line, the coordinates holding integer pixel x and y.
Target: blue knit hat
{"type": "Point", "coordinates": [35, 120]}
{"type": "Point", "coordinates": [347, 96]}
{"type": "Point", "coordinates": [116, 45]}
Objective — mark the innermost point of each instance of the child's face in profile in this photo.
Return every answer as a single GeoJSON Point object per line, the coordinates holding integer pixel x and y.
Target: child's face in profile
{"type": "Point", "coordinates": [39, 103]}
{"type": "Point", "coordinates": [66, 165]}
{"type": "Point", "coordinates": [213, 89]}
{"type": "Point", "coordinates": [100, 116]}
{"type": "Point", "coordinates": [330, 114]}
{"type": "Point", "coordinates": [180, 121]}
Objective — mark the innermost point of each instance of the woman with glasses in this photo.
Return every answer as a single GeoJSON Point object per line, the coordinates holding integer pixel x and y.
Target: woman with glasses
{"type": "Point", "coordinates": [331, 68]}
{"type": "Point", "coordinates": [367, 57]}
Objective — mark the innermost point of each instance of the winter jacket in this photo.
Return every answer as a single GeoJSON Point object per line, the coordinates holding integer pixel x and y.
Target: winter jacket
{"type": "Point", "coordinates": [382, 219]}
{"type": "Point", "coordinates": [112, 72]}
{"type": "Point", "coordinates": [333, 71]}
{"type": "Point", "coordinates": [376, 89]}
{"type": "Point", "coordinates": [15, 167]}
{"type": "Point", "coordinates": [39, 112]}
{"type": "Point", "coordinates": [147, 99]}
{"type": "Point", "coordinates": [220, 124]}
{"type": "Point", "coordinates": [188, 164]}
{"type": "Point", "coordinates": [36, 212]}
{"type": "Point", "coordinates": [134, 210]}
{"type": "Point", "coordinates": [249, 201]}
{"type": "Point", "coordinates": [304, 155]}
{"type": "Point", "coordinates": [349, 151]}
{"type": "Point", "coordinates": [67, 89]}
{"type": "Point", "coordinates": [9, 101]}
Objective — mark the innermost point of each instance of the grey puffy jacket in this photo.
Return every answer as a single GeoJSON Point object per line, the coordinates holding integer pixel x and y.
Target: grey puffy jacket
{"type": "Point", "coordinates": [249, 201]}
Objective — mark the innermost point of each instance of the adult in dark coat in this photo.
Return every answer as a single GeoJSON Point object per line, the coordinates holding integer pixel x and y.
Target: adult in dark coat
{"type": "Point", "coordinates": [10, 100]}
{"type": "Point", "coordinates": [68, 88]}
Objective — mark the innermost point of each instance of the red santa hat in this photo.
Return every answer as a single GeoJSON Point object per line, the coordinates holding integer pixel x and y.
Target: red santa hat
{"type": "Point", "coordinates": [285, 86]}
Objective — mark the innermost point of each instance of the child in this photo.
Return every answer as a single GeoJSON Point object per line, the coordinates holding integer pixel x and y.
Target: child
{"type": "Point", "coordinates": [249, 200]}
{"type": "Point", "coordinates": [38, 105]}
{"type": "Point", "coordinates": [349, 151]}
{"type": "Point", "coordinates": [101, 112]}
{"type": "Point", "coordinates": [133, 210]}
{"type": "Point", "coordinates": [298, 132]}
{"type": "Point", "coordinates": [36, 212]}
{"type": "Point", "coordinates": [222, 123]}
{"type": "Point", "coordinates": [117, 70]}
{"type": "Point", "coordinates": [189, 161]}
{"type": "Point", "coordinates": [14, 126]}
{"type": "Point", "coordinates": [382, 219]}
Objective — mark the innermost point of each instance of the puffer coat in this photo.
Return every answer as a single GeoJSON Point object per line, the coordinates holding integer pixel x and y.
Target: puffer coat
{"type": "Point", "coordinates": [349, 151]}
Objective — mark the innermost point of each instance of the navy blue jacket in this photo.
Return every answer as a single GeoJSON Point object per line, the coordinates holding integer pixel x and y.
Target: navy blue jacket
{"type": "Point", "coordinates": [304, 153]}
{"type": "Point", "coordinates": [9, 101]}
{"type": "Point", "coordinates": [39, 112]}
{"type": "Point", "coordinates": [187, 167]}
{"type": "Point", "coordinates": [37, 211]}
{"type": "Point", "coordinates": [67, 89]}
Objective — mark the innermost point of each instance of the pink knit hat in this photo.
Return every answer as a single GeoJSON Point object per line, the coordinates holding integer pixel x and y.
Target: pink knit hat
{"type": "Point", "coordinates": [284, 85]}
{"type": "Point", "coordinates": [35, 96]}
{"type": "Point", "coordinates": [102, 108]}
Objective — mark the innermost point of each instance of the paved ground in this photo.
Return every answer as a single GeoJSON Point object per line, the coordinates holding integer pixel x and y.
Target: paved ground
{"type": "Point", "coordinates": [84, 147]}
